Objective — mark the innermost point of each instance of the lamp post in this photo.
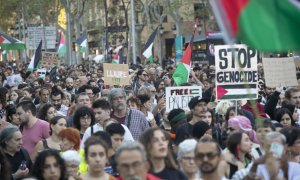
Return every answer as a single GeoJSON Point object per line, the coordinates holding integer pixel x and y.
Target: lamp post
{"type": "Point", "coordinates": [174, 30]}
{"type": "Point", "coordinates": [161, 32]}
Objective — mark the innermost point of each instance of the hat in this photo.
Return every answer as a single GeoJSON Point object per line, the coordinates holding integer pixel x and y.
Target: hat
{"type": "Point", "coordinates": [194, 101]}
{"type": "Point", "coordinates": [199, 129]}
{"type": "Point", "coordinates": [176, 115]}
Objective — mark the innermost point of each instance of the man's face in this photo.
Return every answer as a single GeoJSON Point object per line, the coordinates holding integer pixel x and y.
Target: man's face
{"type": "Point", "coordinates": [84, 100]}
{"type": "Point", "coordinates": [116, 140]}
{"type": "Point", "coordinates": [206, 117]}
{"type": "Point", "coordinates": [295, 99]}
{"type": "Point", "coordinates": [44, 96]}
{"type": "Point", "coordinates": [270, 90]}
{"type": "Point", "coordinates": [207, 157]}
{"type": "Point", "coordinates": [200, 109]}
{"type": "Point", "coordinates": [69, 83]}
{"type": "Point", "coordinates": [22, 115]}
{"type": "Point", "coordinates": [119, 103]}
{"type": "Point", "coordinates": [95, 77]}
{"type": "Point", "coordinates": [144, 76]}
{"type": "Point", "coordinates": [89, 93]}
{"type": "Point", "coordinates": [56, 101]}
{"type": "Point", "coordinates": [15, 143]}
{"type": "Point", "coordinates": [101, 115]}
{"type": "Point", "coordinates": [131, 165]}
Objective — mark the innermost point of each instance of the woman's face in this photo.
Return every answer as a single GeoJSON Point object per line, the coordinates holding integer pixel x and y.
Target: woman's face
{"type": "Point", "coordinates": [159, 144]}
{"type": "Point", "coordinates": [132, 105]}
{"type": "Point", "coordinates": [51, 113]}
{"type": "Point", "coordinates": [148, 105]}
{"type": "Point", "coordinates": [286, 121]}
{"type": "Point", "coordinates": [15, 120]}
{"type": "Point", "coordinates": [232, 114]}
{"type": "Point", "coordinates": [96, 158]}
{"type": "Point", "coordinates": [66, 144]}
{"type": "Point", "coordinates": [246, 144]}
{"type": "Point", "coordinates": [60, 125]}
{"type": "Point", "coordinates": [187, 163]}
{"type": "Point", "coordinates": [13, 96]}
{"type": "Point", "coordinates": [51, 169]}
{"type": "Point", "coordinates": [85, 122]}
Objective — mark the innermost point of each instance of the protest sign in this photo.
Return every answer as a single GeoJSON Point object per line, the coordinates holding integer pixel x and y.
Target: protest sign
{"type": "Point", "coordinates": [116, 74]}
{"type": "Point", "coordinates": [280, 72]}
{"type": "Point", "coordinates": [41, 73]}
{"type": "Point", "coordinates": [49, 60]}
{"type": "Point", "coordinates": [14, 80]}
{"type": "Point", "coordinates": [236, 72]}
{"type": "Point", "coordinates": [179, 97]}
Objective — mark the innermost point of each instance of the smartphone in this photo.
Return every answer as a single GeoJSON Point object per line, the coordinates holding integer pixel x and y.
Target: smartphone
{"type": "Point", "coordinates": [23, 165]}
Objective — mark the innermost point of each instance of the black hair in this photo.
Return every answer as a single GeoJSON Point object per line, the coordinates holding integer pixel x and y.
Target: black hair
{"type": "Point", "coordinates": [39, 164]}
{"type": "Point", "coordinates": [101, 103]}
{"type": "Point", "coordinates": [27, 106]}
{"type": "Point", "coordinates": [267, 123]}
{"type": "Point", "coordinates": [10, 110]}
{"type": "Point", "coordinates": [233, 142]}
{"type": "Point", "coordinates": [143, 98]}
{"type": "Point", "coordinates": [54, 120]}
{"type": "Point", "coordinates": [282, 111]}
{"type": "Point", "coordinates": [81, 112]}
{"type": "Point", "coordinates": [105, 137]}
{"type": "Point", "coordinates": [83, 88]}
{"type": "Point", "coordinates": [55, 92]}
{"type": "Point", "coordinates": [291, 135]}
{"type": "Point", "coordinates": [115, 128]}
{"type": "Point", "coordinates": [43, 111]}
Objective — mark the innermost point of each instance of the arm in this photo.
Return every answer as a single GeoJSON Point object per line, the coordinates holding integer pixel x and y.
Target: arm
{"type": "Point", "coordinates": [198, 82]}
{"type": "Point", "coordinates": [38, 148]}
{"type": "Point", "coordinates": [271, 104]}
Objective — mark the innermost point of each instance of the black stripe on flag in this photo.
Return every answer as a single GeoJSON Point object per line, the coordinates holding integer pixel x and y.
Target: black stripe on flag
{"type": "Point", "coordinates": [241, 96]}
{"type": "Point", "coordinates": [239, 86]}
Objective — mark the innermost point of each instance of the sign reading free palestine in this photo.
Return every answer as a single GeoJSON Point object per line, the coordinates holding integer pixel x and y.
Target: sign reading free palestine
{"type": "Point", "coordinates": [236, 72]}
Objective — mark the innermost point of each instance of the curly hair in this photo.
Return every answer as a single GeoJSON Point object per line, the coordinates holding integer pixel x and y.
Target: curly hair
{"type": "Point", "coordinates": [39, 165]}
{"type": "Point", "coordinates": [81, 112]}
{"type": "Point", "coordinates": [43, 111]}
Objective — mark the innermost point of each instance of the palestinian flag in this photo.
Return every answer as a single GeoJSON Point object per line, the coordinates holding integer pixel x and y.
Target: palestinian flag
{"type": "Point", "coordinates": [82, 42]}
{"type": "Point", "coordinates": [266, 25]}
{"type": "Point", "coordinates": [237, 92]}
{"type": "Point", "coordinates": [182, 72]}
{"type": "Point", "coordinates": [148, 47]}
{"type": "Point", "coordinates": [35, 59]}
{"type": "Point", "coordinates": [62, 46]}
{"type": "Point", "coordinates": [116, 56]}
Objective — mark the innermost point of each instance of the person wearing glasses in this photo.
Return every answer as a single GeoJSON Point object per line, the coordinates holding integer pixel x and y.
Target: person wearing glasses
{"type": "Point", "coordinates": [84, 117]}
{"type": "Point", "coordinates": [142, 79]}
{"type": "Point", "coordinates": [208, 156]}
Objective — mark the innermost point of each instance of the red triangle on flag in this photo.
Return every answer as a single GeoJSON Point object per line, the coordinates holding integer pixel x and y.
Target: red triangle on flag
{"type": "Point", "coordinates": [221, 92]}
{"type": "Point", "coordinates": [1, 40]}
{"type": "Point", "coordinates": [187, 55]}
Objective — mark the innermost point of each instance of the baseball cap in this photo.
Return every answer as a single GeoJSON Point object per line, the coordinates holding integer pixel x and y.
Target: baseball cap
{"type": "Point", "coordinates": [194, 101]}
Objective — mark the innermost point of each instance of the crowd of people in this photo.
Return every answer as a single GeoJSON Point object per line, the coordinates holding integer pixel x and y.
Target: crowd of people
{"type": "Point", "coordinates": [70, 125]}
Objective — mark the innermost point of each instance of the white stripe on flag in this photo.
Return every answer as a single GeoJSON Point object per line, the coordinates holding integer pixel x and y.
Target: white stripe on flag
{"type": "Point", "coordinates": [241, 91]}
{"type": "Point", "coordinates": [148, 52]}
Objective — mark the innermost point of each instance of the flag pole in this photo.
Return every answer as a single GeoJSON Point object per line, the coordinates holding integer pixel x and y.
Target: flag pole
{"type": "Point", "coordinates": [133, 31]}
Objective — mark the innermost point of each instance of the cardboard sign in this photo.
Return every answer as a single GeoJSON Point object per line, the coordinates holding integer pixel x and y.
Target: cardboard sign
{"type": "Point", "coordinates": [116, 74]}
{"type": "Point", "coordinates": [280, 72]}
{"type": "Point", "coordinates": [297, 64]}
{"type": "Point", "coordinates": [236, 72]}
{"type": "Point", "coordinates": [49, 60]}
{"type": "Point", "coordinates": [179, 97]}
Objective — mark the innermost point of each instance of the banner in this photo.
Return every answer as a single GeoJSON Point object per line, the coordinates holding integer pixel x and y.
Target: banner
{"type": "Point", "coordinates": [49, 60]}
{"type": "Point", "coordinates": [179, 97]}
{"type": "Point", "coordinates": [236, 72]}
{"type": "Point", "coordinates": [280, 72]}
{"type": "Point", "coordinates": [116, 74]}
{"type": "Point", "coordinates": [178, 48]}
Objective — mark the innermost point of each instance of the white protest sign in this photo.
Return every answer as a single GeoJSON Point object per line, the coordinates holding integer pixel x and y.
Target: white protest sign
{"type": "Point", "coordinates": [41, 73]}
{"type": "Point", "coordinates": [236, 72]}
{"type": "Point", "coordinates": [280, 72]}
{"type": "Point", "coordinates": [180, 96]}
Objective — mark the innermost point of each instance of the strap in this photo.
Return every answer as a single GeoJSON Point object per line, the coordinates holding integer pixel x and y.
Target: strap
{"type": "Point", "coordinates": [45, 144]}
{"type": "Point", "coordinates": [129, 119]}
{"type": "Point", "coordinates": [92, 129]}
{"type": "Point", "coordinates": [26, 156]}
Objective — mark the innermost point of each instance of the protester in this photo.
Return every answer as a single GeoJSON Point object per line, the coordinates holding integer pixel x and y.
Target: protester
{"type": "Point", "coordinates": [159, 154]}
{"type": "Point", "coordinates": [84, 117]}
{"type": "Point", "coordinates": [11, 115]}
{"type": "Point", "coordinates": [69, 139]}
{"type": "Point", "coordinates": [57, 124]}
{"type": "Point", "coordinates": [32, 128]}
{"type": "Point", "coordinates": [49, 165]}
{"type": "Point", "coordinates": [18, 158]}
{"type": "Point", "coordinates": [47, 112]}
{"type": "Point", "coordinates": [284, 117]}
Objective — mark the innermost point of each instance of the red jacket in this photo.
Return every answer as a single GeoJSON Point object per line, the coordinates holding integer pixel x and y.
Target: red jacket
{"type": "Point", "coordinates": [149, 177]}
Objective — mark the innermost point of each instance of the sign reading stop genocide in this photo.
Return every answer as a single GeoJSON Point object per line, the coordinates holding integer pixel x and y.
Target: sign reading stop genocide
{"type": "Point", "coordinates": [236, 72]}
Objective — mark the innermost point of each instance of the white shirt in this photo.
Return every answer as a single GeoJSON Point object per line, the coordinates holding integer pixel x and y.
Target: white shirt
{"type": "Point", "coordinates": [97, 127]}
{"type": "Point", "coordinates": [294, 173]}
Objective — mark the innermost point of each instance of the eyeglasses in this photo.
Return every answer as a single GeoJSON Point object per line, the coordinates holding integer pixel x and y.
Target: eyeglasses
{"type": "Point", "coordinates": [189, 159]}
{"type": "Point", "coordinates": [85, 119]}
{"type": "Point", "coordinates": [210, 156]}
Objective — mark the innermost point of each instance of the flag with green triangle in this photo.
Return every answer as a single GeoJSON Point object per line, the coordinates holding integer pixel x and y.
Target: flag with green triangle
{"type": "Point", "coordinates": [266, 25]}
{"type": "Point", "coordinates": [62, 50]}
{"type": "Point", "coordinates": [82, 42]}
{"type": "Point", "coordinates": [149, 45]}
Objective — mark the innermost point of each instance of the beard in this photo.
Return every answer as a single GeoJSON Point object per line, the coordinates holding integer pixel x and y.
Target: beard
{"type": "Point", "coordinates": [119, 107]}
{"type": "Point", "coordinates": [207, 168]}
{"type": "Point", "coordinates": [69, 88]}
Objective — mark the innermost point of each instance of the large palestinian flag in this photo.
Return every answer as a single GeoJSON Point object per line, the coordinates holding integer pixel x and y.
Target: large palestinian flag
{"type": "Point", "coordinates": [267, 25]}
{"type": "Point", "coordinates": [149, 46]}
